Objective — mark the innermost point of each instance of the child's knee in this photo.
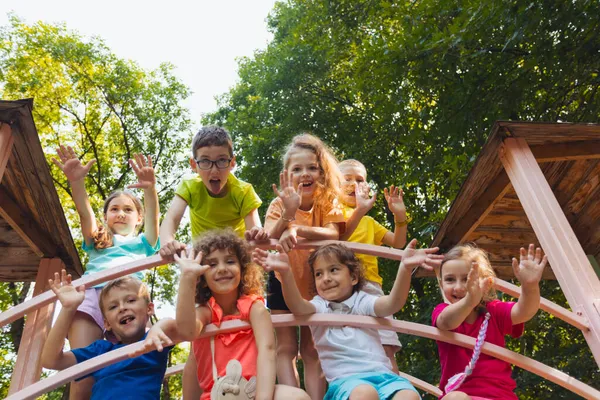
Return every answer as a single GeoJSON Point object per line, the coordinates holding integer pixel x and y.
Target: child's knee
{"type": "Point", "coordinates": [364, 392]}
{"type": "Point", "coordinates": [308, 352]}
{"type": "Point", "coordinates": [457, 396]}
{"type": "Point", "coordinates": [284, 392]}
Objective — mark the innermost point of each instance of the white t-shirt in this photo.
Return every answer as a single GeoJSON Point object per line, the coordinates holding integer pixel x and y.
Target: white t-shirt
{"type": "Point", "coordinates": [346, 350]}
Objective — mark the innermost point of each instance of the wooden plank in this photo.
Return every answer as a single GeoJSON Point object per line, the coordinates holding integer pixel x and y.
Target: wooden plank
{"type": "Point", "coordinates": [576, 176]}
{"type": "Point", "coordinates": [515, 221]}
{"type": "Point", "coordinates": [9, 237]}
{"type": "Point", "coordinates": [542, 133]}
{"type": "Point", "coordinates": [507, 237]}
{"type": "Point", "coordinates": [28, 368]}
{"type": "Point", "coordinates": [17, 255]}
{"type": "Point", "coordinates": [584, 193]}
{"type": "Point", "coordinates": [37, 239]}
{"type": "Point", "coordinates": [570, 264]}
{"type": "Point", "coordinates": [573, 150]}
{"type": "Point", "coordinates": [6, 145]}
{"type": "Point", "coordinates": [19, 273]}
{"type": "Point", "coordinates": [555, 172]}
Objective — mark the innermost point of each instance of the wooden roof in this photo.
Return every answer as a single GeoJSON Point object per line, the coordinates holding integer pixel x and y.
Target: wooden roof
{"type": "Point", "coordinates": [32, 222]}
{"type": "Point", "coordinates": [487, 210]}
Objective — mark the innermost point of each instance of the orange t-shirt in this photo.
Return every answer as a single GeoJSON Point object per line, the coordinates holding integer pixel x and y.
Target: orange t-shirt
{"type": "Point", "coordinates": [318, 216]}
{"type": "Point", "coordinates": [238, 345]}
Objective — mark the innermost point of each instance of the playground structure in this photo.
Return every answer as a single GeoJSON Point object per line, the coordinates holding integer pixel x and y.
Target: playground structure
{"type": "Point", "coordinates": [532, 183]}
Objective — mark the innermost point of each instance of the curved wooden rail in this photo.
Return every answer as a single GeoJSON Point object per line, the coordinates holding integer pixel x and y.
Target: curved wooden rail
{"type": "Point", "coordinates": [283, 320]}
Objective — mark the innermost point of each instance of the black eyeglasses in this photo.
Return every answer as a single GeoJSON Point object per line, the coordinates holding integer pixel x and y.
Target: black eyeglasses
{"type": "Point", "coordinates": [207, 164]}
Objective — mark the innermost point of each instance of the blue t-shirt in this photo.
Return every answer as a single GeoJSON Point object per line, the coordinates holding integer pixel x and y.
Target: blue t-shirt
{"type": "Point", "coordinates": [125, 249]}
{"type": "Point", "coordinates": [134, 378]}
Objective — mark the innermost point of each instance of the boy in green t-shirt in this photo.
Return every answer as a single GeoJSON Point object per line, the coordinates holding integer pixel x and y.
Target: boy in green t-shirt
{"type": "Point", "coordinates": [217, 199]}
{"type": "Point", "coordinates": [361, 228]}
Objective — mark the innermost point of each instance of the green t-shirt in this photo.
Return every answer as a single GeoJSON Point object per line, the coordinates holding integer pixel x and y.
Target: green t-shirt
{"type": "Point", "coordinates": [207, 212]}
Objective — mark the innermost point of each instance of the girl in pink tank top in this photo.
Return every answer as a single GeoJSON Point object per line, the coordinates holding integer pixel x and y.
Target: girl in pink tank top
{"type": "Point", "coordinates": [219, 283]}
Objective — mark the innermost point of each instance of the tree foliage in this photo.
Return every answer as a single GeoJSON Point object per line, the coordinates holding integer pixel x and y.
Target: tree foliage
{"type": "Point", "coordinates": [107, 108]}
{"type": "Point", "coordinates": [411, 88]}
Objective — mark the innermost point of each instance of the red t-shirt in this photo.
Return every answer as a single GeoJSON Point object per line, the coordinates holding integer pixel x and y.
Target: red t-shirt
{"type": "Point", "coordinates": [491, 377]}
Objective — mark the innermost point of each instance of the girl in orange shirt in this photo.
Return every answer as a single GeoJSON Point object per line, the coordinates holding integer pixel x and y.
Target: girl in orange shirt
{"type": "Point", "coordinates": [306, 206]}
{"type": "Point", "coordinates": [219, 283]}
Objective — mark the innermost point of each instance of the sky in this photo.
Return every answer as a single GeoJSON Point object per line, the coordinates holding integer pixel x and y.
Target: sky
{"type": "Point", "coordinates": [201, 38]}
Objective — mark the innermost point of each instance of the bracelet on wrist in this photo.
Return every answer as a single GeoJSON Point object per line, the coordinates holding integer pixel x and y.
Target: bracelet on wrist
{"type": "Point", "coordinates": [404, 222]}
{"type": "Point", "coordinates": [288, 219]}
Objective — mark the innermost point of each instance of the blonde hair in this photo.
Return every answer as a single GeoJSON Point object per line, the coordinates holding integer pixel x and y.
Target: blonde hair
{"type": "Point", "coordinates": [352, 163]}
{"type": "Point", "coordinates": [470, 253]}
{"type": "Point", "coordinates": [103, 237]}
{"type": "Point", "coordinates": [328, 191]}
{"type": "Point", "coordinates": [252, 276]}
{"type": "Point", "coordinates": [120, 283]}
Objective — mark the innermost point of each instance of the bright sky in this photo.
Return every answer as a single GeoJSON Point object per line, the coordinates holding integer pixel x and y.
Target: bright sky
{"type": "Point", "coordinates": [202, 38]}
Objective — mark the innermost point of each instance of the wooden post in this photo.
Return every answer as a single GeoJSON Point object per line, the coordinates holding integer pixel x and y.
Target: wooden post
{"type": "Point", "coordinates": [569, 262]}
{"type": "Point", "coordinates": [28, 368]}
{"type": "Point", "coordinates": [6, 143]}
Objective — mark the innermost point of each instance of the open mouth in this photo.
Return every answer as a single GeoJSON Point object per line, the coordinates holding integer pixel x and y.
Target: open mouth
{"type": "Point", "coordinates": [126, 320]}
{"type": "Point", "coordinates": [215, 185]}
{"type": "Point", "coordinates": [306, 184]}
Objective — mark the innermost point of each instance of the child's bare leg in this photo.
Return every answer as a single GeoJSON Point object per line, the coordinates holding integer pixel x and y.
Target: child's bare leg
{"type": "Point", "coordinates": [314, 379]}
{"type": "Point", "coordinates": [287, 352]}
{"type": "Point", "coordinates": [391, 351]}
{"type": "Point", "coordinates": [457, 396]}
{"type": "Point", "coordinates": [284, 392]}
{"type": "Point", "coordinates": [406, 395]}
{"type": "Point", "coordinates": [189, 379]}
{"type": "Point", "coordinates": [83, 332]}
{"type": "Point", "coordinates": [364, 392]}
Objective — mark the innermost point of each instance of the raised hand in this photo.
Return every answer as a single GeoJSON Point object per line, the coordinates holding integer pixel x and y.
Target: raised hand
{"type": "Point", "coordinates": [361, 193]}
{"type": "Point", "coordinates": [288, 239]}
{"type": "Point", "coordinates": [394, 196]}
{"type": "Point", "coordinates": [279, 261]}
{"type": "Point", "coordinates": [142, 166]}
{"type": "Point", "coordinates": [256, 233]}
{"type": "Point", "coordinates": [69, 296]}
{"type": "Point", "coordinates": [189, 263]}
{"type": "Point", "coordinates": [531, 265]}
{"type": "Point", "coordinates": [290, 197]}
{"type": "Point", "coordinates": [426, 258]}
{"type": "Point", "coordinates": [70, 165]}
{"type": "Point", "coordinates": [477, 287]}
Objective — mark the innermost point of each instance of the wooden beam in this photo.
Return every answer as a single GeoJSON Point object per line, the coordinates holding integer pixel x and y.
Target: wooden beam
{"type": "Point", "coordinates": [26, 227]}
{"type": "Point", "coordinates": [28, 368]}
{"type": "Point", "coordinates": [582, 150]}
{"type": "Point", "coordinates": [570, 264]}
{"type": "Point", "coordinates": [6, 145]}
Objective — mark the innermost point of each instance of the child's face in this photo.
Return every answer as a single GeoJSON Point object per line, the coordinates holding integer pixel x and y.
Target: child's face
{"type": "Point", "coordinates": [303, 169]}
{"type": "Point", "coordinates": [224, 274]}
{"type": "Point", "coordinates": [126, 313]}
{"type": "Point", "coordinates": [352, 174]}
{"type": "Point", "coordinates": [454, 279]}
{"type": "Point", "coordinates": [214, 178]}
{"type": "Point", "coordinates": [333, 279]}
{"type": "Point", "coordinates": [122, 216]}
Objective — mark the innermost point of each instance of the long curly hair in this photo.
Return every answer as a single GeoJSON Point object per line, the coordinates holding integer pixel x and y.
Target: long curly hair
{"type": "Point", "coordinates": [252, 276]}
{"type": "Point", "coordinates": [328, 190]}
{"type": "Point", "coordinates": [103, 237]}
{"type": "Point", "coordinates": [469, 253]}
{"type": "Point", "coordinates": [342, 255]}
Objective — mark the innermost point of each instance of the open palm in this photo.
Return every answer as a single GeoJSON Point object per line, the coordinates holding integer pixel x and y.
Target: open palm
{"type": "Point", "coordinates": [531, 265]}
{"type": "Point", "coordinates": [289, 196]}
{"type": "Point", "coordinates": [142, 166]}
{"type": "Point", "coordinates": [69, 296]}
{"type": "Point", "coordinates": [395, 200]}
{"type": "Point", "coordinates": [278, 262]}
{"type": "Point", "coordinates": [70, 165]}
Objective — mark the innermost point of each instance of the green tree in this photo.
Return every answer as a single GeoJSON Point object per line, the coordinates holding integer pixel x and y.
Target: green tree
{"type": "Point", "coordinates": [411, 89]}
{"type": "Point", "coordinates": [107, 108]}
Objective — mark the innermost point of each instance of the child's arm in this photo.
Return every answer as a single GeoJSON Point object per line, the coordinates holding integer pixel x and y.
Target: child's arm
{"type": "Point", "coordinates": [70, 298]}
{"type": "Point", "coordinates": [260, 319]}
{"type": "Point", "coordinates": [169, 226]}
{"type": "Point", "coordinates": [147, 181]}
{"type": "Point", "coordinates": [162, 334]}
{"type": "Point", "coordinates": [395, 201]}
{"type": "Point", "coordinates": [529, 272]}
{"type": "Point", "coordinates": [76, 172]}
{"type": "Point", "coordinates": [281, 263]}
{"type": "Point", "coordinates": [411, 259]}
{"type": "Point", "coordinates": [190, 320]}
{"type": "Point", "coordinates": [455, 314]}
{"type": "Point", "coordinates": [363, 204]}
{"type": "Point", "coordinates": [328, 232]}
{"type": "Point", "coordinates": [254, 229]}
{"type": "Point", "coordinates": [291, 202]}
{"type": "Point", "coordinates": [189, 380]}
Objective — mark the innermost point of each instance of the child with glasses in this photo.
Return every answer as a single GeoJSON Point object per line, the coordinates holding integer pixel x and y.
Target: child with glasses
{"type": "Point", "coordinates": [217, 199]}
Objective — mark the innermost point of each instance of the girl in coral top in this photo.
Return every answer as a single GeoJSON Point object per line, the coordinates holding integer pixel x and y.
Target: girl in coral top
{"type": "Point", "coordinates": [306, 206]}
{"type": "Point", "coordinates": [472, 309]}
{"type": "Point", "coordinates": [219, 283]}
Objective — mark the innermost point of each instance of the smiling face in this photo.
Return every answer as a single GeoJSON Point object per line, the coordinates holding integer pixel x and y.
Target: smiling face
{"type": "Point", "coordinates": [224, 274]}
{"type": "Point", "coordinates": [122, 215]}
{"type": "Point", "coordinates": [214, 178]}
{"type": "Point", "coordinates": [303, 169]}
{"type": "Point", "coordinates": [126, 312]}
{"type": "Point", "coordinates": [454, 279]}
{"type": "Point", "coordinates": [353, 174]}
{"type": "Point", "coordinates": [333, 280]}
